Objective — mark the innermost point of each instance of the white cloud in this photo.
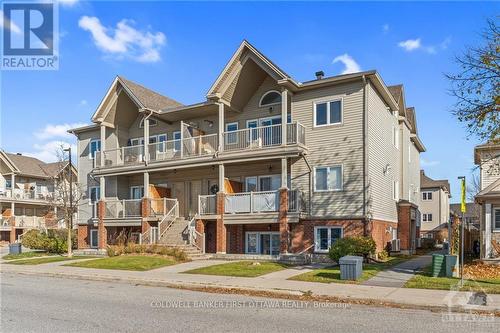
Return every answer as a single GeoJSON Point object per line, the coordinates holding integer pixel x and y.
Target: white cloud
{"type": "Point", "coordinates": [351, 66]}
{"type": "Point", "coordinates": [51, 131]}
{"type": "Point", "coordinates": [48, 151]}
{"type": "Point", "coordinates": [125, 40]}
{"type": "Point", "coordinates": [385, 28]}
{"type": "Point", "coordinates": [83, 102]}
{"type": "Point", "coordinates": [427, 163]}
{"type": "Point", "coordinates": [68, 3]}
{"type": "Point", "coordinates": [13, 27]}
{"type": "Point", "coordinates": [410, 44]}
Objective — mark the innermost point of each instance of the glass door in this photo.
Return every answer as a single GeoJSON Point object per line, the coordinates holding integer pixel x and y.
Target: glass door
{"type": "Point", "coordinates": [94, 240]}
{"type": "Point", "coordinates": [265, 244]}
{"type": "Point", "coordinates": [275, 244]}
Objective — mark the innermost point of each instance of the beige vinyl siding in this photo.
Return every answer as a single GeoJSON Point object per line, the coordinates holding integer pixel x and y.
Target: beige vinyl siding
{"type": "Point", "coordinates": [381, 152]}
{"type": "Point", "coordinates": [486, 163]}
{"type": "Point", "coordinates": [438, 207]}
{"type": "Point", "coordinates": [405, 164]}
{"type": "Point", "coordinates": [85, 166]}
{"type": "Point", "coordinates": [252, 110]}
{"type": "Point", "coordinates": [331, 146]}
{"type": "Point", "coordinates": [414, 174]}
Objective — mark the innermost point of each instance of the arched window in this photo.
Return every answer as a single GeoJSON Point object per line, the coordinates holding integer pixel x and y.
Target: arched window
{"type": "Point", "coordinates": [270, 98]}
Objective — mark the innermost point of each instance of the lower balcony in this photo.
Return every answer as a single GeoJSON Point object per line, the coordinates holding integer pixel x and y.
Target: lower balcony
{"type": "Point", "coordinates": [250, 207]}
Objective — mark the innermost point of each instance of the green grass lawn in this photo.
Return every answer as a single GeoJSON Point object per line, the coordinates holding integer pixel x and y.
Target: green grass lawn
{"type": "Point", "coordinates": [43, 260]}
{"type": "Point", "coordinates": [240, 268]}
{"type": "Point", "coordinates": [424, 280]}
{"type": "Point", "coordinates": [126, 262]}
{"type": "Point", "coordinates": [24, 255]}
{"type": "Point", "coordinates": [332, 274]}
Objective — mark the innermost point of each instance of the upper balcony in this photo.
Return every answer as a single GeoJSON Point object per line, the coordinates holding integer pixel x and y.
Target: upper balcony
{"type": "Point", "coordinates": [248, 140]}
{"type": "Point", "coordinates": [17, 194]}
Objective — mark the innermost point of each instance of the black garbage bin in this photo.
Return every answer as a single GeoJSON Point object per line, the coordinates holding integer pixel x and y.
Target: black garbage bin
{"type": "Point", "coordinates": [15, 248]}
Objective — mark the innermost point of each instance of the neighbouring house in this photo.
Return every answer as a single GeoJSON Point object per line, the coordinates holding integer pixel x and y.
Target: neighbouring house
{"type": "Point", "coordinates": [265, 165]}
{"type": "Point", "coordinates": [487, 157]}
{"type": "Point", "coordinates": [434, 207]}
{"type": "Point", "coordinates": [28, 194]}
{"type": "Point", "coordinates": [471, 215]}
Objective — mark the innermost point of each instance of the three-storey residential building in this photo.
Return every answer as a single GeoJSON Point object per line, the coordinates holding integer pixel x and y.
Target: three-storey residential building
{"type": "Point", "coordinates": [28, 194]}
{"type": "Point", "coordinates": [487, 157]}
{"type": "Point", "coordinates": [265, 165]}
{"type": "Point", "coordinates": [434, 206]}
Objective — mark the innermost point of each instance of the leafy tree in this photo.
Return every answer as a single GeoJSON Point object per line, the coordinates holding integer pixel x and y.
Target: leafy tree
{"type": "Point", "coordinates": [477, 85]}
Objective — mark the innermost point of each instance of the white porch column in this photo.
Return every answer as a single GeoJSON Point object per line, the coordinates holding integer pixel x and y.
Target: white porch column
{"type": "Point", "coordinates": [146, 139]}
{"type": "Point", "coordinates": [221, 178]}
{"type": "Point", "coordinates": [284, 173]}
{"type": "Point", "coordinates": [284, 112]}
{"type": "Point", "coordinates": [146, 184]}
{"type": "Point", "coordinates": [103, 144]}
{"type": "Point", "coordinates": [221, 126]}
{"type": "Point", "coordinates": [102, 188]}
{"type": "Point", "coordinates": [182, 140]}
{"type": "Point", "coordinates": [487, 230]}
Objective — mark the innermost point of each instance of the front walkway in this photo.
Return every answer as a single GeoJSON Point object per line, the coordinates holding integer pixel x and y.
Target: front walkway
{"type": "Point", "coordinates": [276, 282]}
{"type": "Point", "coordinates": [397, 276]}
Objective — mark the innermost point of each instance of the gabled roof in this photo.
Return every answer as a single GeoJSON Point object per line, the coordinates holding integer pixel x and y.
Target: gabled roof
{"type": "Point", "coordinates": [426, 182]}
{"type": "Point", "coordinates": [31, 166]}
{"type": "Point", "coordinates": [494, 148]}
{"type": "Point", "coordinates": [396, 91]}
{"type": "Point", "coordinates": [143, 97]}
{"type": "Point", "coordinates": [493, 190]}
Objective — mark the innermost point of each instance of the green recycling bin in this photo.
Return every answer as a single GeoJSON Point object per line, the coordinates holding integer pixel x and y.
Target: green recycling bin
{"type": "Point", "coordinates": [438, 265]}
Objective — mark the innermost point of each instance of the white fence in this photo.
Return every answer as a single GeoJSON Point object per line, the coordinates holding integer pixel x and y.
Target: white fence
{"type": "Point", "coordinates": [162, 206]}
{"type": "Point", "coordinates": [120, 156]}
{"type": "Point", "coordinates": [251, 202]}
{"type": "Point", "coordinates": [188, 147]}
{"type": "Point", "coordinates": [30, 221]}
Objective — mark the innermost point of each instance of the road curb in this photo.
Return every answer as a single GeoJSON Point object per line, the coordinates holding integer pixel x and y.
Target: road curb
{"type": "Point", "coordinates": [260, 292]}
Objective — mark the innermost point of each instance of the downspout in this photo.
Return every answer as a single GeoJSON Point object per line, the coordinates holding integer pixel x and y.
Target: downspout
{"type": "Point", "coordinates": [309, 199]}
{"type": "Point", "coordinates": [365, 122]}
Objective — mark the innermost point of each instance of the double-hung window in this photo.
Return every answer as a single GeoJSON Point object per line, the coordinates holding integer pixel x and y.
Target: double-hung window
{"type": "Point", "coordinates": [231, 138]}
{"type": "Point", "coordinates": [427, 217]}
{"type": "Point", "coordinates": [177, 140]}
{"type": "Point", "coordinates": [328, 113]}
{"type": "Point", "coordinates": [94, 194]}
{"type": "Point", "coordinates": [95, 146]}
{"type": "Point", "coordinates": [426, 196]}
{"type": "Point", "coordinates": [496, 218]}
{"type": "Point", "coordinates": [325, 237]}
{"type": "Point", "coordinates": [328, 178]}
{"type": "Point", "coordinates": [136, 192]}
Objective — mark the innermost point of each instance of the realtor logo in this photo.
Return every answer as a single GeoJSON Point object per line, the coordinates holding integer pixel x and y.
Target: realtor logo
{"type": "Point", "coordinates": [29, 36]}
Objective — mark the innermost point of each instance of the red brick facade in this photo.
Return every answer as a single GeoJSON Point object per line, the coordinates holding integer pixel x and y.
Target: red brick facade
{"type": "Point", "coordinates": [83, 236]}
{"type": "Point", "coordinates": [220, 232]}
{"type": "Point", "coordinates": [283, 220]}
{"type": "Point", "coordinates": [407, 226]}
{"type": "Point", "coordinates": [102, 234]}
{"type": "Point", "coordinates": [381, 233]}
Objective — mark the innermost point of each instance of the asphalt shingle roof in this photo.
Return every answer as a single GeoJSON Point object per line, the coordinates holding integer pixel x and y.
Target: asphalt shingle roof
{"type": "Point", "coordinates": [148, 97]}
{"type": "Point", "coordinates": [426, 182]}
{"type": "Point", "coordinates": [34, 167]}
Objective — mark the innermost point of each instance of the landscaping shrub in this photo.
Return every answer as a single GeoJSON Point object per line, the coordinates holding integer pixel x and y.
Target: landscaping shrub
{"type": "Point", "coordinates": [363, 246]}
{"type": "Point", "coordinates": [383, 255]}
{"type": "Point", "coordinates": [428, 243]}
{"type": "Point", "coordinates": [52, 241]}
{"type": "Point", "coordinates": [117, 250]}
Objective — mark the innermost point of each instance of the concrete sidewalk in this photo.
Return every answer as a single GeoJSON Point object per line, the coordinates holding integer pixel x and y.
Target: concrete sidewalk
{"type": "Point", "coordinates": [398, 275]}
{"type": "Point", "coordinates": [276, 282]}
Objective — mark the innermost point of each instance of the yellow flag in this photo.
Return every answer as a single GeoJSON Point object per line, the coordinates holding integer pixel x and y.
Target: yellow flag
{"type": "Point", "coordinates": [463, 207]}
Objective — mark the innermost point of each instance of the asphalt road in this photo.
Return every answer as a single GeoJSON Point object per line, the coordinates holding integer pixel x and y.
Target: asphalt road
{"type": "Point", "coordinates": [43, 304]}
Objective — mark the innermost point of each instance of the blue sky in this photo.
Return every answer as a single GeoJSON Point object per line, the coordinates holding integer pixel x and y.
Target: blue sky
{"type": "Point", "coordinates": [409, 43]}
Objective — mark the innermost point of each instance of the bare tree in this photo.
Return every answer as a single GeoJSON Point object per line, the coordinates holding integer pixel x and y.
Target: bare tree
{"type": "Point", "coordinates": [474, 187]}
{"type": "Point", "coordinates": [477, 85]}
{"type": "Point", "coordinates": [61, 201]}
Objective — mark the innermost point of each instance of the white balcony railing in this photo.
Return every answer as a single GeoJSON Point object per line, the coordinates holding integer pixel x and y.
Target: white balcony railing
{"type": "Point", "coordinates": [207, 204]}
{"type": "Point", "coordinates": [161, 206]}
{"type": "Point", "coordinates": [119, 209]}
{"type": "Point", "coordinates": [195, 146]}
{"type": "Point", "coordinates": [203, 145]}
{"type": "Point", "coordinates": [20, 194]}
{"type": "Point", "coordinates": [29, 221]}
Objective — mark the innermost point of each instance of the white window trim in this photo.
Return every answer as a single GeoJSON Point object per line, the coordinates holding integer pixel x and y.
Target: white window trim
{"type": "Point", "coordinates": [493, 212]}
{"type": "Point", "coordinates": [258, 233]}
{"type": "Point", "coordinates": [316, 242]}
{"type": "Point", "coordinates": [90, 194]}
{"type": "Point", "coordinates": [92, 231]}
{"type": "Point", "coordinates": [235, 132]}
{"type": "Point", "coordinates": [265, 94]}
{"type": "Point", "coordinates": [395, 136]}
{"type": "Point", "coordinates": [427, 196]}
{"type": "Point", "coordinates": [395, 190]}
{"type": "Point", "coordinates": [132, 188]}
{"type": "Point", "coordinates": [90, 147]}
{"type": "Point", "coordinates": [329, 167]}
{"type": "Point", "coordinates": [152, 123]}
{"type": "Point", "coordinates": [328, 101]}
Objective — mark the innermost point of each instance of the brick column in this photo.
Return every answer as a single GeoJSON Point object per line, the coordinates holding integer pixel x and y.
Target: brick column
{"type": "Point", "coordinates": [145, 226]}
{"type": "Point", "coordinates": [282, 219]}
{"type": "Point", "coordinates": [83, 237]}
{"type": "Point", "coordinates": [101, 229]}
{"type": "Point", "coordinates": [12, 236]}
{"type": "Point", "coordinates": [200, 226]}
{"type": "Point", "coordinates": [220, 231]}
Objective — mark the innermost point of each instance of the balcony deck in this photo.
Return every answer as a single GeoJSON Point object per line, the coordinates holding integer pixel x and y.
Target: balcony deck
{"type": "Point", "coordinates": [244, 143]}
